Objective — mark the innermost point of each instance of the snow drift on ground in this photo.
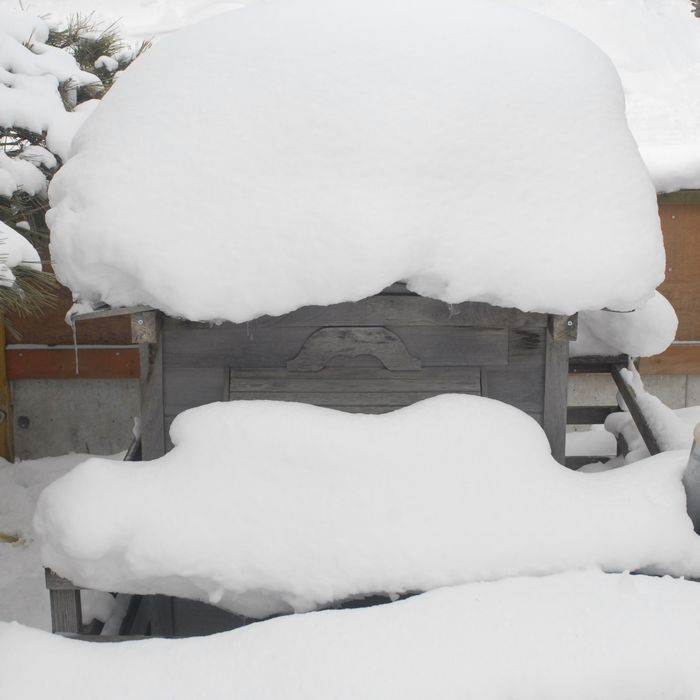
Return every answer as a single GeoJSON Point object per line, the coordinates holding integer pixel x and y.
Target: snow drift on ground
{"type": "Point", "coordinates": [576, 636]}
{"type": "Point", "coordinates": [266, 507]}
{"type": "Point", "coordinates": [23, 595]}
{"type": "Point", "coordinates": [476, 151]}
{"type": "Point", "coordinates": [655, 46]}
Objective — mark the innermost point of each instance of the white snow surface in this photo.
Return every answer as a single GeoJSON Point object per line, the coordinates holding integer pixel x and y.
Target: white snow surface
{"type": "Point", "coordinates": [673, 428]}
{"type": "Point", "coordinates": [23, 594]}
{"type": "Point", "coordinates": [136, 19]}
{"type": "Point", "coordinates": [15, 250]}
{"type": "Point", "coordinates": [260, 511]}
{"type": "Point", "coordinates": [577, 636]}
{"type": "Point", "coordinates": [655, 46]}
{"type": "Point", "coordinates": [646, 331]}
{"type": "Point", "coordinates": [473, 150]}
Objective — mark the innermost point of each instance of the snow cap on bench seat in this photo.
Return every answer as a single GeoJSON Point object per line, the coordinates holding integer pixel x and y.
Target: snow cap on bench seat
{"type": "Point", "coordinates": [267, 507]}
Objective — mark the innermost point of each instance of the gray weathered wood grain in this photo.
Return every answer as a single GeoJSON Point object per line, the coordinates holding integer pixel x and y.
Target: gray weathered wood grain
{"type": "Point", "coordinates": [152, 429]}
{"type": "Point", "coordinates": [66, 611]}
{"type": "Point", "coordinates": [350, 341]}
{"type": "Point", "coordinates": [555, 394]}
{"type": "Point", "coordinates": [234, 346]}
{"type": "Point", "coordinates": [392, 310]}
{"type": "Point", "coordinates": [186, 387]}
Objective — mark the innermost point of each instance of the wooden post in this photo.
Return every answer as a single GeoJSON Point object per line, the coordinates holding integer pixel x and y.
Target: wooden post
{"type": "Point", "coordinates": [146, 331]}
{"type": "Point", "coordinates": [7, 441]}
{"type": "Point", "coordinates": [560, 330]}
{"type": "Point", "coordinates": [66, 610]}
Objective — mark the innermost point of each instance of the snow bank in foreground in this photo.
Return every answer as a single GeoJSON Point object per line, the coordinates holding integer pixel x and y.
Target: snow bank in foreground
{"type": "Point", "coordinates": [23, 594]}
{"type": "Point", "coordinates": [641, 333]}
{"type": "Point", "coordinates": [267, 507]}
{"type": "Point", "coordinates": [363, 146]}
{"type": "Point", "coordinates": [577, 636]}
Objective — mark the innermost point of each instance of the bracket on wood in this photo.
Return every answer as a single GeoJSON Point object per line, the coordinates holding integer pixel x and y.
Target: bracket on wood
{"type": "Point", "coordinates": [563, 327]}
{"type": "Point", "coordinates": [144, 327]}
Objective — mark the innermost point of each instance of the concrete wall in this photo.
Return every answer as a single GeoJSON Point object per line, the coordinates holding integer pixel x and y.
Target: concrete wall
{"type": "Point", "coordinates": [56, 416]}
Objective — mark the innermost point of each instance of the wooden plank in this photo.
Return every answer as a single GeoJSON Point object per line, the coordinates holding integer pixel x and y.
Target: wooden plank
{"type": "Point", "coordinates": [344, 399]}
{"type": "Point", "coordinates": [349, 341]}
{"type": "Point", "coordinates": [144, 327]}
{"type": "Point", "coordinates": [522, 388]}
{"type": "Point", "coordinates": [7, 438]}
{"type": "Point", "coordinates": [66, 611]}
{"type": "Point", "coordinates": [526, 347]}
{"type": "Point", "coordinates": [579, 461]}
{"type": "Point", "coordinates": [186, 387]}
{"type": "Point", "coordinates": [680, 222]}
{"type": "Point", "coordinates": [235, 346]}
{"type": "Point", "coordinates": [50, 328]}
{"type": "Point", "coordinates": [104, 638]}
{"type": "Point", "coordinates": [563, 327]}
{"type": "Point", "coordinates": [59, 363]}
{"type": "Point", "coordinates": [136, 620]}
{"type": "Point", "coordinates": [678, 359]}
{"type": "Point", "coordinates": [152, 426]}
{"type": "Point", "coordinates": [54, 582]}
{"type": "Point", "coordinates": [680, 197]}
{"type": "Point", "coordinates": [630, 399]}
{"type": "Point", "coordinates": [161, 614]}
{"type": "Point", "coordinates": [555, 394]}
{"type": "Point", "coordinates": [389, 310]}
{"type": "Point", "coordinates": [589, 415]}
{"type": "Point", "coordinates": [444, 380]}
{"type": "Point", "coordinates": [596, 364]}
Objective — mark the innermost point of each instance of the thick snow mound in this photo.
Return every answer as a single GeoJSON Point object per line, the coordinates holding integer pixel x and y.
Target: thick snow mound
{"type": "Point", "coordinates": [267, 507]}
{"type": "Point", "coordinates": [655, 46]}
{"type": "Point", "coordinates": [576, 636]}
{"type": "Point", "coordinates": [474, 150]}
{"type": "Point", "coordinates": [641, 333]}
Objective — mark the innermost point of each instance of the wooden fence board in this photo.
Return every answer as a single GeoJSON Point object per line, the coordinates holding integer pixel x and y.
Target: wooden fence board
{"type": "Point", "coordinates": [59, 363]}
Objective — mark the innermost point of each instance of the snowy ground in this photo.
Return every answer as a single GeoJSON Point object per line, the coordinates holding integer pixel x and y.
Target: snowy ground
{"type": "Point", "coordinates": [23, 596]}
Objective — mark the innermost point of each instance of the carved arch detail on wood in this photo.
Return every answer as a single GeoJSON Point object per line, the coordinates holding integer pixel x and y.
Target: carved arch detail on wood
{"type": "Point", "coordinates": [352, 341]}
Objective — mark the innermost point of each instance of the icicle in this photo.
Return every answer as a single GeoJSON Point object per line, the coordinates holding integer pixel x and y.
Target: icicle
{"type": "Point", "coordinates": [452, 312]}
{"type": "Point", "coordinates": [249, 330]}
{"type": "Point", "coordinates": [75, 345]}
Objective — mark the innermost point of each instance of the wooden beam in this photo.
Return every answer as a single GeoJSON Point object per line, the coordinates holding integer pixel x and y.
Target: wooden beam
{"type": "Point", "coordinates": [7, 442]}
{"type": "Point", "coordinates": [152, 414]}
{"type": "Point", "coordinates": [555, 394]}
{"type": "Point", "coordinates": [680, 197]}
{"type": "Point", "coordinates": [60, 363]}
{"type": "Point", "coordinates": [630, 399]}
